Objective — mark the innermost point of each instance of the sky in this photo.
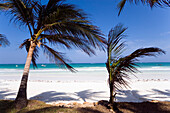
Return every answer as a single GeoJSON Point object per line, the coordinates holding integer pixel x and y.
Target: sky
{"type": "Point", "coordinates": [146, 28]}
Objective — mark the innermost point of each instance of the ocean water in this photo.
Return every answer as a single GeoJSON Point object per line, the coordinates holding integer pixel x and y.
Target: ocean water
{"type": "Point", "coordinates": [84, 72]}
{"type": "Point", "coordinates": [83, 65]}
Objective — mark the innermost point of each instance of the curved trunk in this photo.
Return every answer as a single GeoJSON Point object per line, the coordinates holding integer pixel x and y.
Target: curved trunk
{"type": "Point", "coordinates": [21, 99]}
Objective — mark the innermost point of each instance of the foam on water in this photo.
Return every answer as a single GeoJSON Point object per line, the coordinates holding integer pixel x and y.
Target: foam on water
{"type": "Point", "coordinates": [84, 71]}
{"type": "Point", "coordinates": [154, 68]}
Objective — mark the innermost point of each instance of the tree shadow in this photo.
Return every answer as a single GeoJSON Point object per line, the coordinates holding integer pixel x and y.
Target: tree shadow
{"type": "Point", "coordinates": [134, 96]}
{"type": "Point", "coordinates": [88, 94]}
{"type": "Point", "coordinates": [4, 94]}
{"type": "Point", "coordinates": [128, 101]}
{"type": "Point", "coordinates": [165, 95]}
{"type": "Point", "coordinates": [52, 96]}
{"type": "Point", "coordinates": [130, 96]}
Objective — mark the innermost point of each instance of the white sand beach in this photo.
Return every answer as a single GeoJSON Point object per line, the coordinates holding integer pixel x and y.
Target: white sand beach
{"type": "Point", "coordinates": [85, 87]}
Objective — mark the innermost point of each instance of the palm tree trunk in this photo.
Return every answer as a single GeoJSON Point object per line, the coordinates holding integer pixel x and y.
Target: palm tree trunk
{"type": "Point", "coordinates": [113, 104]}
{"type": "Point", "coordinates": [21, 99]}
{"type": "Point", "coordinates": [111, 93]}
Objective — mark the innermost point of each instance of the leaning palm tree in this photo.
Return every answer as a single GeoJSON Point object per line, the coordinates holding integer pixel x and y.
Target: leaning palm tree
{"type": "Point", "coordinates": [53, 25]}
{"type": "Point", "coordinates": [119, 67]}
{"type": "Point", "coordinates": [3, 41]}
{"type": "Point", "coordinates": [151, 3]}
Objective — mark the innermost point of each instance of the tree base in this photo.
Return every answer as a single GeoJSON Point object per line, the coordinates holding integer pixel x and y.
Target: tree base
{"type": "Point", "coordinates": [114, 107]}
{"type": "Point", "coordinates": [21, 103]}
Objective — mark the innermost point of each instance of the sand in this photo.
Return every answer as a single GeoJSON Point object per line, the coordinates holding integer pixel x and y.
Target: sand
{"type": "Point", "coordinates": [87, 85]}
{"type": "Point", "coordinates": [53, 91]}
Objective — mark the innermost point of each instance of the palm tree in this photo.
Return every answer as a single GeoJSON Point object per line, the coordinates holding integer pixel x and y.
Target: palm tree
{"type": "Point", "coordinates": [119, 67]}
{"type": "Point", "coordinates": [151, 3]}
{"type": "Point", "coordinates": [3, 41]}
{"type": "Point", "coordinates": [53, 25]}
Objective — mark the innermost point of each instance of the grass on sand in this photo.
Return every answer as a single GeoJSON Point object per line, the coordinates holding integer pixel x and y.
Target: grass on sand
{"type": "Point", "coordinates": [35, 106]}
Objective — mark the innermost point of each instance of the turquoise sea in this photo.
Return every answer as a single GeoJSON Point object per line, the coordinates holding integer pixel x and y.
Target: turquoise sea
{"type": "Point", "coordinates": [85, 72]}
{"type": "Point", "coordinates": [83, 65]}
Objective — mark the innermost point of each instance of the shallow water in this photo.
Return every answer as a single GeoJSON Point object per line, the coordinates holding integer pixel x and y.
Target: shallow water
{"type": "Point", "coordinates": [85, 72]}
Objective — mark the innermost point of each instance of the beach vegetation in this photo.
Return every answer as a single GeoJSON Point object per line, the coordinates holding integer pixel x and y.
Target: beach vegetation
{"type": "Point", "coordinates": [51, 26]}
{"type": "Point", "coordinates": [151, 3]}
{"type": "Point", "coordinates": [119, 67]}
{"type": "Point", "coordinates": [4, 41]}
{"type": "Point", "coordinates": [35, 106]}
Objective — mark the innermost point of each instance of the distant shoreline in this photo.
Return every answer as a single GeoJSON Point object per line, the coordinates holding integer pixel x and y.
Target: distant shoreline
{"type": "Point", "coordinates": [76, 63]}
{"type": "Point", "coordinates": [81, 65]}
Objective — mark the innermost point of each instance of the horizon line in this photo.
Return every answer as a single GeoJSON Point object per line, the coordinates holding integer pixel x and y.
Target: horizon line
{"type": "Point", "coordinates": [84, 63]}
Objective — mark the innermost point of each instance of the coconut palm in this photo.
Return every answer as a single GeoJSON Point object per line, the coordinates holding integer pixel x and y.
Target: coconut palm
{"type": "Point", "coordinates": [53, 25]}
{"type": "Point", "coordinates": [151, 3]}
{"type": "Point", "coordinates": [3, 41]}
{"type": "Point", "coordinates": [119, 67]}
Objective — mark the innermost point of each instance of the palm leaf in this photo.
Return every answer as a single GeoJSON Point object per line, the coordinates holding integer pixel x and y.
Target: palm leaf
{"type": "Point", "coordinates": [120, 67]}
{"type": "Point", "coordinates": [3, 41]}
{"type": "Point", "coordinates": [127, 65]}
{"type": "Point", "coordinates": [78, 29]}
{"type": "Point", "coordinates": [59, 18]}
{"type": "Point", "coordinates": [151, 3]}
{"type": "Point", "coordinates": [5, 6]}
{"type": "Point", "coordinates": [68, 41]}
{"type": "Point", "coordinates": [58, 24]}
{"type": "Point", "coordinates": [57, 57]}
{"type": "Point", "coordinates": [21, 12]}
{"type": "Point", "coordinates": [115, 44]}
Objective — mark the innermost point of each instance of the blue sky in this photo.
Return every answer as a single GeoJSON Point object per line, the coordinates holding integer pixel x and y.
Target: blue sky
{"type": "Point", "coordinates": [146, 27]}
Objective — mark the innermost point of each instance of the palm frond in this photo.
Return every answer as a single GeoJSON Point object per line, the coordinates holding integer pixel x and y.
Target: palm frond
{"type": "Point", "coordinates": [58, 24]}
{"type": "Point", "coordinates": [22, 12]}
{"type": "Point", "coordinates": [151, 3]}
{"type": "Point", "coordinates": [3, 41]}
{"type": "Point", "coordinates": [5, 6]}
{"type": "Point", "coordinates": [151, 51]}
{"type": "Point", "coordinates": [57, 10]}
{"type": "Point", "coordinates": [127, 64]}
{"type": "Point", "coordinates": [120, 67]}
{"type": "Point", "coordinates": [79, 29]}
{"type": "Point", "coordinates": [57, 57]}
{"type": "Point", "coordinates": [121, 5]}
{"type": "Point", "coordinates": [66, 19]}
{"type": "Point", "coordinates": [115, 44]}
{"type": "Point", "coordinates": [68, 41]}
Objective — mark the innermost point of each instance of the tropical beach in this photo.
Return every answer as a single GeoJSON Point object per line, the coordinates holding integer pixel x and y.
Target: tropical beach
{"type": "Point", "coordinates": [59, 87]}
{"type": "Point", "coordinates": [67, 56]}
{"type": "Point", "coordinates": [89, 84]}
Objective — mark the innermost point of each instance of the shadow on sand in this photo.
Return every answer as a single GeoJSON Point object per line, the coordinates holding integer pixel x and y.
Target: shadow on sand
{"type": "Point", "coordinates": [88, 94]}
{"type": "Point", "coordinates": [134, 96]}
{"type": "Point", "coordinates": [4, 94]}
{"type": "Point", "coordinates": [125, 107]}
{"type": "Point", "coordinates": [122, 96]}
{"type": "Point", "coordinates": [52, 96]}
